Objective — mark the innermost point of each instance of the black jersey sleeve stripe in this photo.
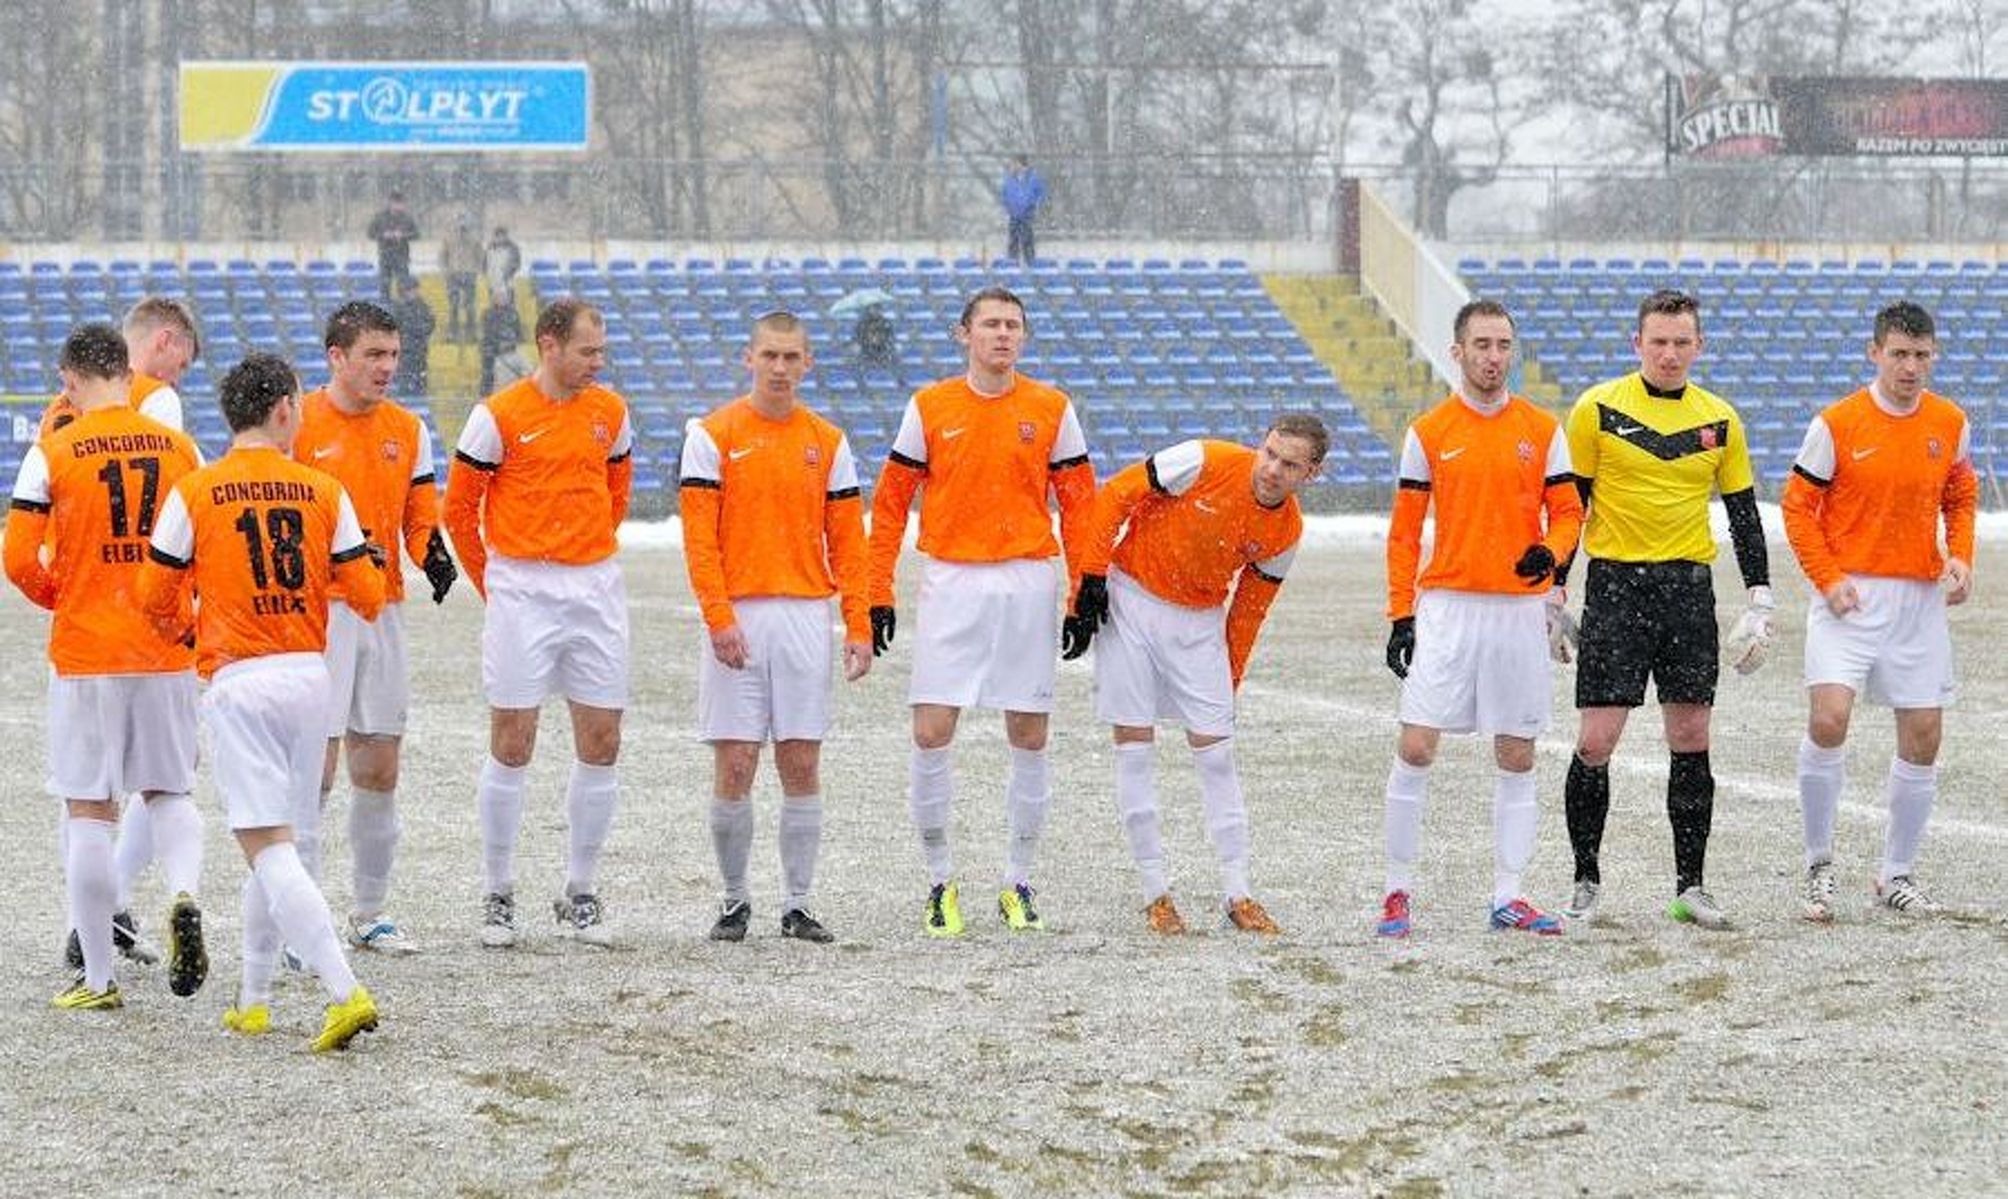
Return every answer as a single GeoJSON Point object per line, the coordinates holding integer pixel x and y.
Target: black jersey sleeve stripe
{"type": "Point", "coordinates": [1150, 472]}
{"type": "Point", "coordinates": [694, 481]}
{"type": "Point", "coordinates": [903, 460]}
{"type": "Point", "coordinates": [351, 554]}
{"type": "Point", "coordinates": [843, 493]}
{"type": "Point", "coordinates": [1068, 463]}
{"type": "Point", "coordinates": [1558, 480]}
{"type": "Point", "coordinates": [1810, 477]}
{"type": "Point", "coordinates": [471, 460]}
{"type": "Point", "coordinates": [1265, 576]}
{"type": "Point", "coordinates": [166, 559]}
{"type": "Point", "coordinates": [29, 505]}
{"type": "Point", "coordinates": [426, 479]}
{"type": "Point", "coordinates": [1413, 484]}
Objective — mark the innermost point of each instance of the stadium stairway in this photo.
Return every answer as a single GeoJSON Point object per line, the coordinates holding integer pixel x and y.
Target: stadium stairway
{"type": "Point", "coordinates": [1359, 344]}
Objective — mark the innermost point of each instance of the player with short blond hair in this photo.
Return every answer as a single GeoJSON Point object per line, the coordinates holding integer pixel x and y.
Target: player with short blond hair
{"type": "Point", "coordinates": [1881, 475]}
{"type": "Point", "coordinates": [773, 526]}
{"type": "Point", "coordinates": [1171, 537]}
{"type": "Point", "coordinates": [534, 501]}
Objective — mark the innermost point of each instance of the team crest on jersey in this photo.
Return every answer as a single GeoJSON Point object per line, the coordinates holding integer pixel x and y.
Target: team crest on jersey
{"type": "Point", "coordinates": [1933, 448]}
{"type": "Point", "coordinates": [1707, 435]}
{"type": "Point", "coordinates": [601, 434]}
{"type": "Point", "coordinates": [1251, 550]}
{"type": "Point", "coordinates": [1025, 431]}
{"type": "Point", "coordinates": [812, 455]}
{"type": "Point", "coordinates": [390, 450]}
{"type": "Point", "coordinates": [1525, 450]}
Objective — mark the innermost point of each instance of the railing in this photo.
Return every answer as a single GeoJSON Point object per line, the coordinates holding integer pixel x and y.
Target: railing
{"type": "Point", "coordinates": [1198, 198]}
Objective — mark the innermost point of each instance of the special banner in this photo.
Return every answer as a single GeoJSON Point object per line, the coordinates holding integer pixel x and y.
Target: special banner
{"type": "Point", "coordinates": [349, 106]}
{"type": "Point", "coordinates": [1759, 116]}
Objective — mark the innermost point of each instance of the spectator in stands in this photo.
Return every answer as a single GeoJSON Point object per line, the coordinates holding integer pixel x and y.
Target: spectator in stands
{"type": "Point", "coordinates": [393, 229]}
{"type": "Point", "coordinates": [462, 259]}
{"type": "Point", "coordinates": [416, 321]}
{"type": "Point", "coordinates": [875, 339]}
{"type": "Point", "coordinates": [501, 343]}
{"type": "Point", "coordinates": [1024, 193]}
{"type": "Point", "coordinates": [504, 260]}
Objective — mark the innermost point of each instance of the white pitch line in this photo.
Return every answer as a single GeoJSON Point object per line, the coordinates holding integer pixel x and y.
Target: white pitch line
{"type": "Point", "coordinates": [1641, 764]}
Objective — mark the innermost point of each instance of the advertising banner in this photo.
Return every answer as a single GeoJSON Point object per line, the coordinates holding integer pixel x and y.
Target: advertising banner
{"type": "Point", "coordinates": [1757, 116]}
{"type": "Point", "coordinates": [398, 106]}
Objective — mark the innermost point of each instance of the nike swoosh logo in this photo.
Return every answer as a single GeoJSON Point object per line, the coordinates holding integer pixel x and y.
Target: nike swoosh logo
{"type": "Point", "coordinates": [1203, 506]}
{"type": "Point", "coordinates": [324, 452]}
{"type": "Point", "coordinates": [1449, 454]}
{"type": "Point", "coordinates": [527, 438]}
{"type": "Point", "coordinates": [952, 434]}
{"type": "Point", "coordinates": [1861, 454]}
{"type": "Point", "coordinates": [1627, 430]}
{"type": "Point", "coordinates": [736, 455]}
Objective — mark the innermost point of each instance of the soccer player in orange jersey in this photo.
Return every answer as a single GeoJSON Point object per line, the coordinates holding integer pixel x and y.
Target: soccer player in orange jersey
{"type": "Point", "coordinates": [773, 526]}
{"type": "Point", "coordinates": [1880, 474]}
{"type": "Point", "coordinates": [534, 502]}
{"type": "Point", "coordinates": [1196, 520]}
{"type": "Point", "coordinates": [1472, 650]}
{"type": "Point", "coordinates": [261, 539]}
{"type": "Point", "coordinates": [381, 453]}
{"type": "Point", "coordinates": [988, 448]}
{"type": "Point", "coordinates": [162, 341]}
{"type": "Point", "coordinates": [121, 701]}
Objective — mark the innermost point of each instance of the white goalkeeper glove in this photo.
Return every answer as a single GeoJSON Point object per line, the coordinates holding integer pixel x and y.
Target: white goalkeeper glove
{"type": "Point", "coordinates": [1564, 635]}
{"type": "Point", "coordinates": [1750, 641]}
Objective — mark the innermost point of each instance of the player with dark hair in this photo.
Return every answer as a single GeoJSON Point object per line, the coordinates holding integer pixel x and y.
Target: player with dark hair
{"type": "Point", "coordinates": [1648, 450]}
{"type": "Point", "coordinates": [121, 701]}
{"type": "Point", "coordinates": [773, 526]}
{"type": "Point", "coordinates": [1472, 649]}
{"type": "Point", "coordinates": [1880, 473]}
{"type": "Point", "coordinates": [259, 539]}
{"type": "Point", "coordinates": [381, 453]}
{"type": "Point", "coordinates": [1170, 537]}
{"type": "Point", "coordinates": [534, 502]}
{"type": "Point", "coordinates": [988, 447]}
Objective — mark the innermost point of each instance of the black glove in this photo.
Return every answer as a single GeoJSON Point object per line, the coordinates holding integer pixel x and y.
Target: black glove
{"type": "Point", "coordinates": [884, 620]}
{"type": "Point", "coordinates": [1537, 565]}
{"type": "Point", "coordinates": [376, 554]}
{"type": "Point", "coordinates": [1076, 633]}
{"type": "Point", "coordinates": [1401, 646]}
{"type": "Point", "coordinates": [439, 568]}
{"type": "Point", "coordinates": [1091, 602]}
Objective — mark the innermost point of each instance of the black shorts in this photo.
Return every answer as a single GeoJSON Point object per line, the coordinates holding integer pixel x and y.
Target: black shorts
{"type": "Point", "coordinates": [1647, 619]}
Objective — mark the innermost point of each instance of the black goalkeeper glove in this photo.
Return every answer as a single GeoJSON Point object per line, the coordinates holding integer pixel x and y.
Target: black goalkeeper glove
{"type": "Point", "coordinates": [1401, 646]}
{"type": "Point", "coordinates": [885, 619]}
{"type": "Point", "coordinates": [1537, 565]}
{"type": "Point", "coordinates": [439, 568]}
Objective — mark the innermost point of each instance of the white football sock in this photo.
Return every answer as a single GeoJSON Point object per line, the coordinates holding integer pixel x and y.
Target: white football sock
{"type": "Point", "coordinates": [134, 850]}
{"type": "Point", "coordinates": [500, 798]}
{"type": "Point", "coordinates": [307, 835]}
{"type": "Point", "coordinates": [373, 835]}
{"type": "Point", "coordinates": [90, 879]}
{"type": "Point", "coordinates": [261, 945]}
{"type": "Point", "coordinates": [1515, 814]}
{"type": "Point", "coordinates": [1028, 796]}
{"type": "Point", "coordinates": [732, 842]}
{"type": "Point", "coordinates": [305, 924]}
{"type": "Point", "coordinates": [800, 837]}
{"type": "Point", "coordinates": [176, 825]}
{"type": "Point", "coordinates": [1136, 802]}
{"type": "Point", "coordinates": [1912, 788]}
{"type": "Point", "coordinates": [590, 797]}
{"type": "Point", "coordinates": [931, 789]}
{"type": "Point", "coordinates": [1823, 773]}
{"type": "Point", "coordinates": [1226, 815]}
{"type": "Point", "coordinates": [1407, 788]}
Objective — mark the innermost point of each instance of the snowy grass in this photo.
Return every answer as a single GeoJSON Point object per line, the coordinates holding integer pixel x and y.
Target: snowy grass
{"type": "Point", "coordinates": [1633, 1057]}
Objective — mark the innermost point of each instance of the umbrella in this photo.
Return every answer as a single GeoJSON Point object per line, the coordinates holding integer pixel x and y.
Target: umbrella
{"type": "Point", "coordinates": [859, 300]}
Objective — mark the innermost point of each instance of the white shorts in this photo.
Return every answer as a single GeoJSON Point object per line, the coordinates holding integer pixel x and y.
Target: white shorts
{"type": "Point", "coordinates": [113, 734]}
{"type": "Point", "coordinates": [266, 721]}
{"type": "Point", "coordinates": [1162, 661]}
{"type": "Point", "coordinates": [988, 635]}
{"type": "Point", "coordinates": [1895, 649]}
{"type": "Point", "coordinates": [555, 628]}
{"type": "Point", "coordinates": [1481, 665]}
{"type": "Point", "coordinates": [783, 691]}
{"type": "Point", "coordinates": [369, 669]}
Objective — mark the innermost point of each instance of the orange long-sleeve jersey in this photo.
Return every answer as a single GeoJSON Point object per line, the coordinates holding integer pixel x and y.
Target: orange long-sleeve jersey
{"type": "Point", "coordinates": [545, 480]}
{"type": "Point", "coordinates": [1190, 527]}
{"type": "Point", "coordinates": [383, 460]}
{"type": "Point", "coordinates": [150, 396]}
{"type": "Point", "coordinates": [260, 538]}
{"type": "Point", "coordinates": [1501, 481]}
{"type": "Point", "coordinates": [1869, 488]}
{"type": "Point", "coordinates": [987, 464]}
{"type": "Point", "coordinates": [93, 490]}
{"type": "Point", "coordinates": [772, 507]}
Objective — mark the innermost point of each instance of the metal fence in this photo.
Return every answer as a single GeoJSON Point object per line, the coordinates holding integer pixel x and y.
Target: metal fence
{"type": "Point", "coordinates": [1227, 198]}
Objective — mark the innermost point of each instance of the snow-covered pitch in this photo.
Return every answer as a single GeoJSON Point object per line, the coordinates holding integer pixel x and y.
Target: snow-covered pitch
{"type": "Point", "coordinates": [1633, 1057]}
